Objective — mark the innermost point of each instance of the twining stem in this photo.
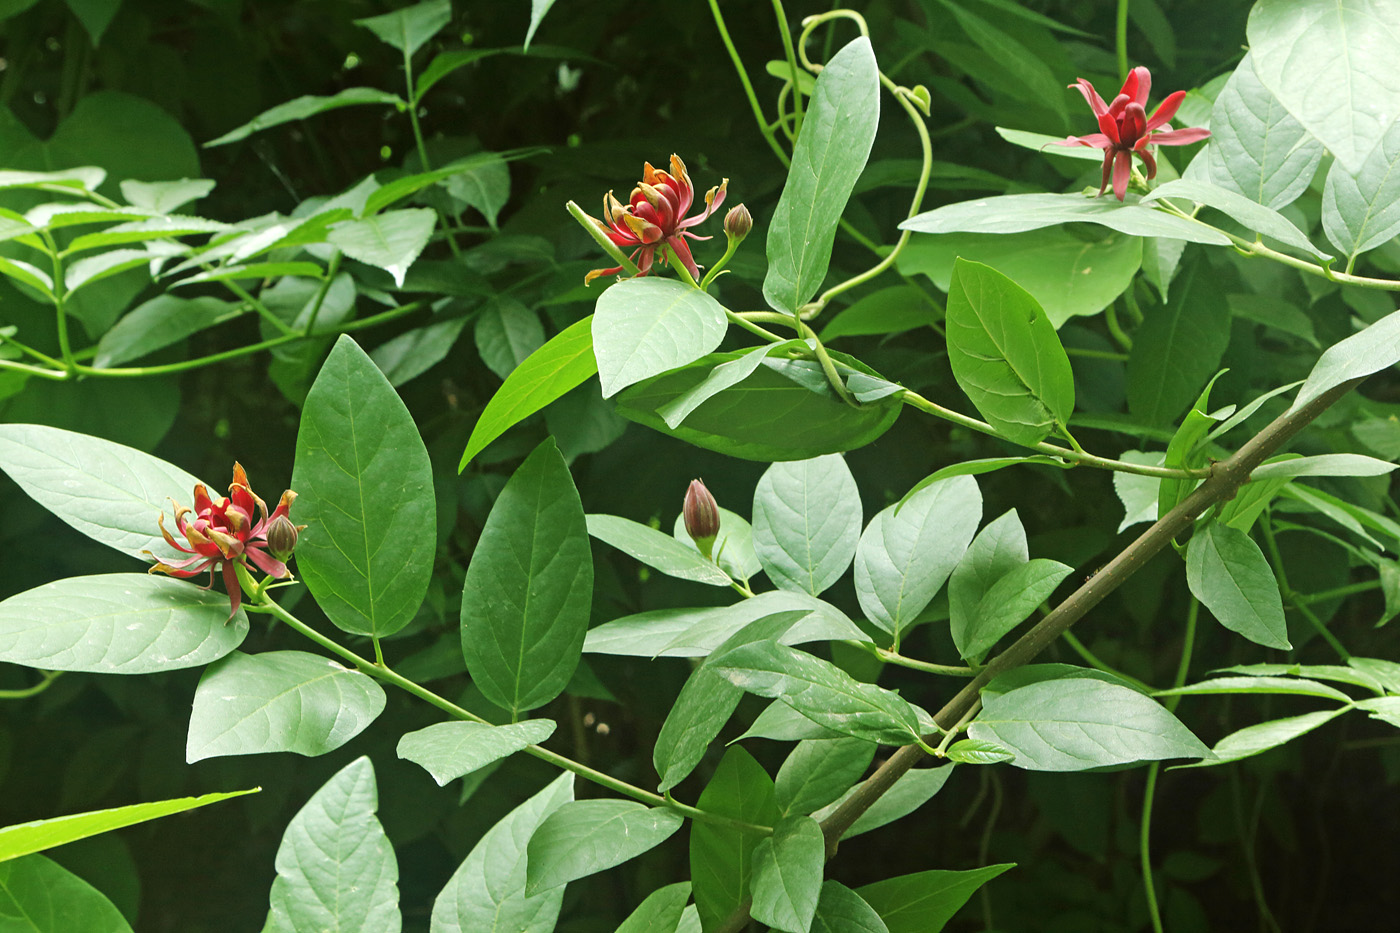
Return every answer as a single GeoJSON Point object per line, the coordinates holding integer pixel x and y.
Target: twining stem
{"type": "Point", "coordinates": [763, 126]}
{"type": "Point", "coordinates": [383, 672]}
{"type": "Point", "coordinates": [1093, 661]}
{"type": "Point", "coordinates": [331, 269]}
{"type": "Point", "coordinates": [915, 400]}
{"type": "Point", "coordinates": [894, 657]}
{"type": "Point", "coordinates": [793, 71]}
{"type": "Point", "coordinates": [1276, 562]}
{"type": "Point", "coordinates": [751, 327]}
{"type": "Point", "coordinates": [258, 306]}
{"type": "Point", "coordinates": [65, 349]}
{"type": "Point", "coordinates": [1149, 792]}
{"type": "Point", "coordinates": [48, 678]}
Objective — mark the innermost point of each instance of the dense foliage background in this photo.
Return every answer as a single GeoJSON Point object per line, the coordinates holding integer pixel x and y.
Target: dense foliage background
{"type": "Point", "coordinates": [1299, 839]}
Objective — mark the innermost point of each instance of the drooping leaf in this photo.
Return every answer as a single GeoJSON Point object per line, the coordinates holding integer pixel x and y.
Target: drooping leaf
{"type": "Point", "coordinates": [449, 750]}
{"type": "Point", "coordinates": [411, 354]}
{"type": "Point", "coordinates": [108, 491]}
{"type": "Point", "coordinates": [38, 895]}
{"type": "Point", "coordinates": [1073, 724]}
{"type": "Point", "coordinates": [588, 836]}
{"type": "Point", "coordinates": [807, 520]}
{"type": "Point", "coordinates": [529, 587]}
{"type": "Point", "coordinates": [563, 363]}
{"type": "Point", "coordinates": [656, 549]}
{"type": "Point", "coordinates": [366, 488]}
{"type": "Point", "coordinates": [721, 856]}
{"type": "Point", "coordinates": [1257, 739]}
{"type": "Point", "coordinates": [787, 875]}
{"type": "Point", "coordinates": [907, 552]}
{"type": "Point", "coordinates": [487, 892]}
{"type": "Point", "coordinates": [1361, 210]}
{"type": "Point", "coordinates": [1232, 578]}
{"type": "Point", "coordinates": [279, 701]}
{"type": "Point", "coordinates": [924, 902]}
{"type": "Point", "coordinates": [1369, 351]}
{"type": "Point", "coordinates": [158, 323]}
{"type": "Point", "coordinates": [1005, 354]}
{"type": "Point", "coordinates": [1323, 63]}
{"type": "Point", "coordinates": [118, 623]}
{"type": "Point", "coordinates": [26, 838]}
{"type": "Point", "coordinates": [1250, 214]}
{"type": "Point", "coordinates": [837, 133]}
{"type": "Point", "coordinates": [95, 15]}
{"type": "Point", "coordinates": [407, 28]}
{"type": "Point", "coordinates": [643, 327]}
{"type": "Point", "coordinates": [335, 867]}
{"type": "Point", "coordinates": [307, 106]}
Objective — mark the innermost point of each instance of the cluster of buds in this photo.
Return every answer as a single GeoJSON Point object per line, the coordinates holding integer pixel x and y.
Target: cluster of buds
{"type": "Point", "coordinates": [655, 216]}
{"type": "Point", "coordinates": [222, 534]}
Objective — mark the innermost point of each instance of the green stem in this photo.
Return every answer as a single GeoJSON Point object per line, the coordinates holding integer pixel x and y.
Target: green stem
{"type": "Point", "coordinates": [1096, 354]}
{"type": "Point", "coordinates": [48, 678]}
{"type": "Point", "coordinates": [952, 733]}
{"type": "Point", "coordinates": [388, 675]}
{"type": "Point", "coordinates": [1093, 660]}
{"type": "Point", "coordinates": [24, 348]}
{"type": "Point", "coordinates": [915, 400]}
{"type": "Point", "coordinates": [751, 327]}
{"type": "Point", "coordinates": [894, 657]}
{"type": "Point", "coordinates": [256, 304]}
{"type": "Point", "coordinates": [1121, 44]}
{"type": "Point", "coordinates": [331, 269]}
{"type": "Point", "coordinates": [792, 66]}
{"type": "Point", "coordinates": [1351, 589]}
{"type": "Point", "coordinates": [65, 349]}
{"type": "Point", "coordinates": [828, 367]}
{"type": "Point", "coordinates": [1276, 561]}
{"type": "Point", "coordinates": [601, 239]}
{"type": "Point", "coordinates": [763, 126]}
{"type": "Point", "coordinates": [57, 375]}
{"type": "Point", "coordinates": [1115, 329]}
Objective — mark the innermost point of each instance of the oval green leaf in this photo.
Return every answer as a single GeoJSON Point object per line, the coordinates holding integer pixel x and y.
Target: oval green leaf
{"type": "Point", "coordinates": [646, 326]}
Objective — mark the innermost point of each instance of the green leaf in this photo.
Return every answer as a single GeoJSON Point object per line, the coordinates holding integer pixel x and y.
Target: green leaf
{"type": "Point", "coordinates": [838, 130]}
{"type": "Point", "coordinates": [820, 771]}
{"type": "Point", "coordinates": [1178, 347]}
{"type": "Point", "coordinates": [1255, 740]}
{"type": "Point", "coordinates": [784, 411]}
{"type": "Point", "coordinates": [1024, 67]}
{"type": "Point", "coordinates": [695, 633]}
{"type": "Point", "coordinates": [978, 752]}
{"type": "Point", "coordinates": [37, 835]}
{"type": "Point", "coordinates": [335, 867]}
{"type": "Point", "coordinates": [924, 902]}
{"type": "Point", "coordinates": [95, 15]}
{"type": "Point", "coordinates": [909, 793]}
{"type": "Point", "coordinates": [1324, 465]}
{"type": "Point", "coordinates": [1066, 274]}
{"type": "Point", "coordinates": [1248, 213]}
{"type": "Point", "coordinates": [706, 702]}
{"type": "Point", "coordinates": [390, 241]}
{"type": "Point", "coordinates": [413, 353]}
{"type": "Point", "coordinates": [1077, 723]}
{"type": "Point", "coordinates": [307, 106]}
{"type": "Point", "coordinates": [118, 623]}
{"type": "Point", "coordinates": [1382, 709]}
{"type": "Point", "coordinates": [891, 310]}
{"type": "Point", "coordinates": [92, 269]}
{"type": "Point", "coordinates": [538, 9]}
{"type": "Point", "coordinates": [40, 896]}
{"type": "Point", "coordinates": [720, 378]}
{"type": "Point", "coordinates": [279, 701]}
{"type": "Point", "coordinates": [1008, 602]}
{"type": "Point", "coordinates": [787, 875]}
{"type": "Point", "coordinates": [998, 549]}
{"type": "Point", "coordinates": [733, 547]}
{"type": "Point", "coordinates": [656, 549]}
{"type": "Point", "coordinates": [506, 334]}
{"type": "Point", "coordinates": [1256, 146]}
{"type": "Point", "coordinates": [487, 892]}
{"type": "Point", "coordinates": [646, 326]}
{"type": "Point", "coordinates": [83, 178]}
{"type": "Point", "coordinates": [1182, 450]}
{"type": "Point", "coordinates": [563, 363]}
{"type": "Point", "coordinates": [449, 750]}
{"type": "Point", "coordinates": [806, 522]}
{"type": "Point", "coordinates": [842, 910]}
{"type": "Point", "coordinates": [1231, 577]}
{"type": "Point", "coordinates": [1005, 354]}
{"type": "Point", "coordinates": [1321, 59]}
{"type": "Point", "coordinates": [1335, 672]}
{"type": "Point", "coordinates": [660, 912]}
{"type": "Point", "coordinates": [821, 691]}
{"type": "Point", "coordinates": [529, 587]}
{"type": "Point", "coordinates": [484, 187]}
{"type": "Point", "coordinates": [408, 28]}
{"type": "Point", "coordinates": [1369, 351]}
{"type": "Point", "coordinates": [155, 229]}
{"type": "Point", "coordinates": [366, 490]}
{"type": "Point", "coordinates": [1264, 685]}
{"type": "Point", "coordinates": [1361, 210]}
{"type": "Point", "coordinates": [907, 552]}
{"type": "Point", "coordinates": [158, 323]}
{"type": "Point", "coordinates": [721, 857]}
{"type": "Point", "coordinates": [1014, 213]}
{"type": "Point", "coordinates": [1045, 145]}
{"type": "Point", "coordinates": [1139, 494]}
{"type": "Point", "coordinates": [588, 836]}
{"type": "Point", "coordinates": [977, 468]}
{"type": "Point", "coordinates": [165, 196]}
{"type": "Point", "coordinates": [26, 274]}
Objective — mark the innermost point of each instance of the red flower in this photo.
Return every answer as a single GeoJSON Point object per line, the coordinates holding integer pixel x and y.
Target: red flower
{"type": "Point", "coordinates": [1127, 130]}
{"type": "Point", "coordinates": [223, 533]}
{"type": "Point", "coordinates": [655, 214]}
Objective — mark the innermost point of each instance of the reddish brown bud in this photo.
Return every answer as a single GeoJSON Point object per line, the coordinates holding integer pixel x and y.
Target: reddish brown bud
{"type": "Point", "coordinates": [738, 222]}
{"type": "Point", "coordinates": [701, 514]}
{"type": "Point", "coordinates": [281, 537]}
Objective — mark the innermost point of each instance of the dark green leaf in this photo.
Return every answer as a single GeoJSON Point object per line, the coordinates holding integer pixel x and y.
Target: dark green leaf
{"type": "Point", "coordinates": [335, 867]}
{"type": "Point", "coordinates": [720, 378]}
{"type": "Point", "coordinates": [529, 587]}
{"type": "Point", "coordinates": [891, 310]}
{"type": "Point", "coordinates": [366, 489]}
{"type": "Point", "coordinates": [588, 836]}
{"type": "Point", "coordinates": [40, 896]}
{"type": "Point", "coordinates": [406, 29]}
{"type": "Point", "coordinates": [660, 912]}
{"type": "Point", "coordinates": [158, 323]}
{"type": "Point", "coordinates": [449, 750]}
{"type": "Point", "coordinates": [656, 549]}
{"type": "Point", "coordinates": [842, 910]}
{"type": "Point", "coordinates": [819, 771]}
{"type": "Point", "coordinates": [506, 334]}
{"type": "Point", "coordinates": [721, 857]}
{"type": "Point", "coordinates": [645, 326]}
{"type": "Point", "coordinates": [1178, 347]}
{"type": "Point", "coordinates": [909, 793]}
{"type": "Point", "coordinates": [924, 902]}
{"type": "Point", "coordinates": [1014, 213]}
{"type": "Point", "coordinates": [837, 133]}
{"type": "Point", "coordinates": [308, 106]}
{"type": "Point", "coordinates": [1232, 578]}
{"type": "Point", "coordinates": [787, 875]}
{"type": "Point", "coordinates": [807, 519]}
{"type": "Point", "coordinates": [1373, 349]}
{"type": "Point", "coordinates": [411, 354]}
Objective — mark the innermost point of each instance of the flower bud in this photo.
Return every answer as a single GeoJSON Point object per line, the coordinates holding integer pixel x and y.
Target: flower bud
{"type": "Point", "coordinates": [737, 223]}
{"type": "Point", "coordinates": [281, 537]}
{"type": "Point", "coordinates": [701, 514]}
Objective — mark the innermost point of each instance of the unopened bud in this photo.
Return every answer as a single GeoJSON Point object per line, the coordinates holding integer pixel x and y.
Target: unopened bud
{"type": "Point", "coordinates": [701, 514]}
{"type": "Point", "coordinates": [281, 537]}
{"type": "Point", "coordinates": [737, 223]}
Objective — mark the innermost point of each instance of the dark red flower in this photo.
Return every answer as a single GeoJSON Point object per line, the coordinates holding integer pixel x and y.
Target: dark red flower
{"type": "Point", "coordinates": [223, 533]}
{"type": "Point", "coordinates": [1127, 130]}
{"type": "Point", "coordinates": [655, 215]}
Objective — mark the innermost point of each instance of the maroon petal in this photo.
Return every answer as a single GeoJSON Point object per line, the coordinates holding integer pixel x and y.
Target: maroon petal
{"type": "Point", "coordinates": [1138, 85]}
{"type": "Point", "coordinates": [235, 592]}
{"type": "Point", "coordinates": [1190, 134]}
{"type": "Point", "coordinates": [1107, 170]}
{"type": "Point", "coordinates": [1091, 96]}
{"type": "Point", "coordinates": [1166, 109]}
{"type": "Point", "coordinates": [1149, 161]}
{"type": "Point", "coordinates": [681, 251]}
{"type": "Point", "coordinates": [1134, 124]}
{"type": "Point", "coordinates": [1122, 170]}
{"type": "Point", "coordinates": [267, 563]}
{"type": "Point", "coordinates": [1109, 124]}
{"type": "Point", "coordinates": [1096, 140]}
